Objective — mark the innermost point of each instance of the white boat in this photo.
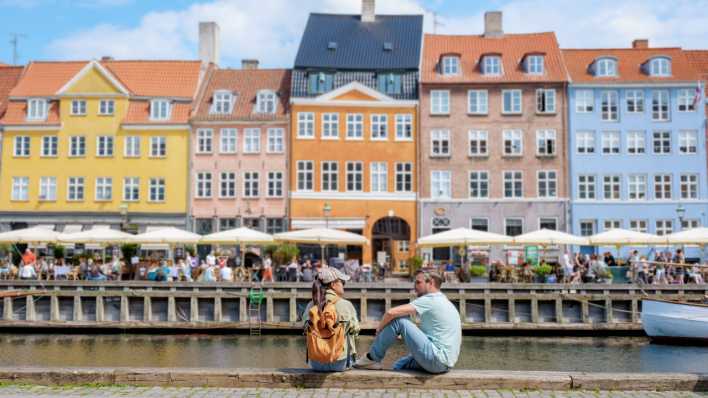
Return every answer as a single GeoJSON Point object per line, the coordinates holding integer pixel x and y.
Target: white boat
{"type": "Point", "coordinates": [673, 321]}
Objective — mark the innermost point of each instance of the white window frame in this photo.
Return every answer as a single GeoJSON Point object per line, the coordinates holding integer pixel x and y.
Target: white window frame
{"type": "Point", "coordinates": [492, 65]}
{"type": "Point", "coordinates": [584, 101]}
{"type": "Point", "coordinates": [106, 107]}
{"type": "Point", "coordinates": [638, 225]}
{"type": "Point", "coordinates": [379, 176]}
{"type": "Point", "coordinates": [160, 109]}
{"type": "Point", "coordinates": [685, 100]}
{"type": "Point", "coordinates": [663, 148]}
{"type": "Point", "coordinates": [634, 100]}
{"type": "Point", "coordinates": [228, 140]}
{"type": "Point", "coordinates": [75, 189]}
{"type": "Point", "coordinates": [131, 146]}
{"type": "Point", "coordinates": [515, 180]}
{"type": "Point", "coordinates": [37, 109]}
{"type": "Point", "coordinates": [329, 176]}
{"type": "Point", "coordinates": [157, 190]}
{"type": "Point", "coordinates": [276, 140]}
{"type": "Point", "coordinates": [20, 189]}
{"type": "Point", "coordinates": [77, 146]}
{"type": "Point", "coordinates": [612, 185]}
{"type": "Point", "coordinates": [438, 138]}
{"type": "Point", "coordinates": [606, 67]}
{"type": "Point", "coordinates": [611, 143]}
{"type": "Point", "coordinates": [22, 145]}
{"type": "Point", "coordinates": [515, 95]}
{"type": "Point", "coordinates": [688, 186]}
{"type": "Point", "coordinates": [306, 125]}
{"type": "Point", "coordinates": [305, 175]}
{"type": "Point", "coordinates": [107, 139]}
{"type": "Point", "coordinates": [544, 139]}
{"type": "Point", "coordinates": [660, 67]}
{"type": "Point", "coordinates": [546, 101]}
{"type": "Point", "coordinates": [158, 146]}
{"type": "Point", "coordinates": [515, 138]}
{"type": "Point", "coordinates": [478, 184]}
{"type": "Point", "coordinates": [448, 67]}
{"type": "Point", "coordinates": [585, 142]}
{"type": "Point", "coordinates": [78, 107]}
{"type": "Point", "coordinates": [355, 126]}
{"type": "Point", "coordinates": [481, 140]}
{"type": "Point", "coordinates": [227, 184]}
{"type": "Point", "coordinates": [663, 227]}
{"type": "Point", "coordinates": [663, 186]}
{"type": "Point", "coordinates": [104, 189]}
{"type": "Point", "coordinates": [205, 141]}
{"type": "Point", "coordinates": [441, 184]}
{"type": "Point", "coordinates": [266, 102]}
{"type": "Point", "coordinates": [477, 102]}
{"type": "Point", "coordinates": [506, 224]}
{"type": "Point", "coordinates": [535, 64]}
{"type": "Point", "coordinates": [611, 223]}
{"type": "Point", "coordinates": [275, 184]}
{"type": "Point", "coordinates": [403, 177]}
{"type": "Point", "coordinates": [439, 102]}
{"type": "Point", "coordinates": [251, 140]}
{"type": "Point", "coordinates": [203, 185]}
{"type": "Point", "coordinates": [222, 102]}
{"type": "Point", "coordinates": [636, 143]}
{"type": "Point", "coordinates": [330, 126]}
{"type": "Point", "coordinates": [637, 187]}
{"type": "Point", "coordinates": [131, 189]}
{"type": "Point", "coordinates": [660, 105]}
{"type": "Point", "coordinates": [587, 187]}
{"type": "Point", "coordinates": [547, 184]}
{"type": "Point", "coordinates": [47, 189]}
{"type": "Point", "coordinates": [354, 176]}
{"type": "Point", "coordinates": [609, 106]}
{"type": "Point", "coordinates": [404, 127]}
{"type": "Point", "coordinates": [50, 146]}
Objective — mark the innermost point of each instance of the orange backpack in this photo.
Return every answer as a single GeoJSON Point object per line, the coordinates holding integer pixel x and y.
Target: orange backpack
{"type": "Point", "coordinates": [325, 336]}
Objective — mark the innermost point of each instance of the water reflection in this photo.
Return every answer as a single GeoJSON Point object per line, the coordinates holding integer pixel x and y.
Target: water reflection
{"type": "Point", "coordinates": [626, 354]}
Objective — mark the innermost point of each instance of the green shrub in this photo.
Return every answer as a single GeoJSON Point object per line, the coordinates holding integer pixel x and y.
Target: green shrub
{"type": "Point", "coordinates": [58, 251]}
{"type": "Point", "coordinates": [478, 270]}
{"type": "Point", "coordinates": [542, 269]}
{"type": "Point", "coordinates": [284, 253]}
{"type": "Point", "coordinates": [414, 264]}
{"type": "Point", "coordinates": [129, 250]}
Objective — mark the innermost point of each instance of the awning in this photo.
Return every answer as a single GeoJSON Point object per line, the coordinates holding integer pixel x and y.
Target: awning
{"type": "Point", "coordinates": [154, 246]}
{"type": "Point", "coordinates": [70, 229]}
{"type": "Point", "coordinates": [334, 223]}
{"type": "Point", "coordinates": [96, 246]}
{"type": "Point", "coordinates": [41, 245]}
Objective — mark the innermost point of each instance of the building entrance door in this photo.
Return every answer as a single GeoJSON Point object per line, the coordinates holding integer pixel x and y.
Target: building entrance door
{"type": "Point", "coordinates": [390, 239]}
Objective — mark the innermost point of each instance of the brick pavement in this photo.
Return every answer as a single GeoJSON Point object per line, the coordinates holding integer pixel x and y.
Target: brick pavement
{"type": "Point", "coordinates": [21, 391]}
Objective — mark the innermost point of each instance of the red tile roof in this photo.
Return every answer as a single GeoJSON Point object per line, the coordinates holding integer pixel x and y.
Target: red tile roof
{"type": "Point", "coordinates": [245, 84]}
{"type": "Point", "coordinates": [630, 61]}
{"type": "Point", "coordinates": [512, 48]}
{"type": "Point", "coordinates": [9, 76]}
{"type": "Point", "coordinates": [699, 61]}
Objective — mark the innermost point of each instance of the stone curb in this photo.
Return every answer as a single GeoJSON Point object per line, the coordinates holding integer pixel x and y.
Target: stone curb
{"type": "Point", "coordinates": [356, 379]}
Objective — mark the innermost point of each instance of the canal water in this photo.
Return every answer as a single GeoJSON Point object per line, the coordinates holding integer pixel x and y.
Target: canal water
{"type": "Point", "coordinates": [606, 354]}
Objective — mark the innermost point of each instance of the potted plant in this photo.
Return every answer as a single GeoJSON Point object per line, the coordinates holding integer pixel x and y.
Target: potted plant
{"type": "Point", "coordinates": [129, 250]}
{"type": "Point", "coordinates": [284, 253]}
{"type": "Point", "coordinates": [58, 252]}
{"type": "Point", "coordinates": [478, 273]}
{"type": "Point", "coordinates": [542, 271]}
{"type": "Point", "coordinates": [415, 263]}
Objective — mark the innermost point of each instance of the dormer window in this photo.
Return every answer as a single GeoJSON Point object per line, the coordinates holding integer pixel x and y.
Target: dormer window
{"type": "Point", "coordinates": [534, 64]}
{"type": "Point", "coordinates": [265, 101]}
{"type": "Point", "coordinates": [389, 83]}
{"type": "Point", "coordinates": [450, 65]}
{"type": "Point", "coordinates": [222, 103]}
{"type": "Point", "coordinates": [491, 65]}
{"type": "Point", "coordinates": [160, 109]}
{"type": "Point", "coordinates": [37, 109]}
{"type": "Point", "coordinates": [320, 82]}
{"type": "Point", "coordinates": [606, 67]}
{"type": "Point", "coordinates": [660, 67]}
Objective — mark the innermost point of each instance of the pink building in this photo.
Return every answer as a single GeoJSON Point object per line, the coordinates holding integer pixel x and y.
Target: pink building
{"type": "Point", "coordinates": [239, 150]}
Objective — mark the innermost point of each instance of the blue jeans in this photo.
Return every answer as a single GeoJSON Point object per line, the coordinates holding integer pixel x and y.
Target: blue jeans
{"type": "Point", "coordinates": [421, 350]}
{"type": "Point", "coordinates": [338, 366]}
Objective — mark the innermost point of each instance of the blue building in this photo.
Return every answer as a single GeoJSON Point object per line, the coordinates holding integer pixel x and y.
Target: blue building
{"type": "Point", "coordinates": [637, 148]}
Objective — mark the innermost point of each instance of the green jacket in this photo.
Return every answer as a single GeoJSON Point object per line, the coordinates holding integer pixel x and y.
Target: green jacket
{"type": "Point", "coordinates": [345, 313]}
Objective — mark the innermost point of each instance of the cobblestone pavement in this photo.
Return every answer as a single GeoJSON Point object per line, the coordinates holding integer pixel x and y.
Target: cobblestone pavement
{"type": "Point", "coordinates": [18, 391]}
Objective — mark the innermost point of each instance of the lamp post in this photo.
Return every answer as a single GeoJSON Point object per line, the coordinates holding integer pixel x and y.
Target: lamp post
{"type": "Point", "coordinates": [123, 209]}
{"type": "Point", "coordinates": [681, 213]}
{"type": "Point", "coordinates": [326, 210]}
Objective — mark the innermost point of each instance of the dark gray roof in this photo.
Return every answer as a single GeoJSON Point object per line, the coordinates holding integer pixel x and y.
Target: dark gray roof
{"type": "Point", "coordinates": [360, 45]}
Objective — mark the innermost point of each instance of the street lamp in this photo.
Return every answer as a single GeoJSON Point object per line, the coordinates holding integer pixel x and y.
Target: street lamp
{"type": "Point", "coordinates": [681, 213]}
{"type": "Point", "coordinates": [123, 209]}
{"type": "Point", "coordinates": [327, 210]}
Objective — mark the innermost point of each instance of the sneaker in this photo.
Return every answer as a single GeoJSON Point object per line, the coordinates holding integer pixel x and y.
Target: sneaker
{"type": "Point", "coordinates": [366, 363]}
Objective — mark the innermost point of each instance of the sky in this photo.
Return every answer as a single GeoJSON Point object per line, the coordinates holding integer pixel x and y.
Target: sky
{"type": "Point", "coordinates": [270, 30]}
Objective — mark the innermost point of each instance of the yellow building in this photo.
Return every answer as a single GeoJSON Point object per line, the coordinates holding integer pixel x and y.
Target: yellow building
{"type": "Point", "coordinates": [98, 143]}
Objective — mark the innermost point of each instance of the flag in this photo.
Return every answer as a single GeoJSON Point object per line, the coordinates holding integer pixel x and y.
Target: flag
{"type": "Point", "coordinates": [697, 97]}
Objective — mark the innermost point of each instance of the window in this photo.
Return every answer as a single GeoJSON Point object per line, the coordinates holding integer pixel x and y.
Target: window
{"type": "Point", "coordinates": [635, 143]}
{"type": "Point", "coordinates": [75, 189]}
{"type": "Point", "coordinates": [131, 189]}
{"type": "Point", "coordinates": [610, 142]}
{"type": "Point", "coordinates": [660, 67]}
{"type": "Point", "coordinates": [587, 227]}
{"type": "Point", "coordinates": [379, 127]}
{"type": "Point", "coordinates": [305, 175]}
{"type": "Point", "coordinates": [689, 186]}
{"type": "Point", "coordinates": [479, 224]}
{"type": "Point", "coordinates": [611, 185]}
{"type": "Point", "coordinates": [548, 223]}
{"type": "Point", "coordinates": [160, 109]}
{"type": "Point", "coordinates": [660, 105]}
{"type": "Point", "coordinates": [404, 127]}
{"type": "Point", "coordinates": [635, 101]}
{"type": "Point", "coordinates": [275, 184]}
{"type": "Point", "coordinates": [227, 185]}
{"type": "Point", "coordinates": [104, 188]}
{"type": "Point", "coordinates": [513, 226]}
{"type": "Point", "coordinates": [608, 106]}
{"type": "Point", "coordinates": [131, 146]}
{"type": "Point", "coordinates": [355, 126]}
{"type": "Point", "coordinates": [440, 184]}
{"type": "Point", "coordinates": [203, 185]}
{"type": "Point", "coordinates": [688, 141]}
{"type": "Point", "coordinates": [78, 107]}
{"type": "Point", "coordinates": [330, 125]}
{"type": "Point", "coordinates": [389, 83]}
{"type": "Point", "coordinates": [228, 140]}
{"type": "Point", "coordinates": [320, 82]}
{"type": "Point", "coordinates": [638, 225]}
{"type": "Point", "coordinates": [106, 107]}
{"type": "Point", "coordinates": [478, 142]}
{"type": "Point", "coordinates": [266, 102]}
{"type": "Point", "coordinates": [534, 64]}
{"type": "Point", "coordinates": [50, 143]}
{"type": "Point", "coordinates": [450, 65]}
{"type": "Point", "coordinates": [355, 176]}
{"type": "Point", "coordinates": [404, 177]}
{"type": "Point", "coordinates": [545, 142]}
{"type": "Point", "coordinates": [479, 184]}
{"type": "Point", "coordinates": [664, 227]}
{"type": "Point", "coordinates": [275, 225]}
{"type": "Point", "coordinates": [158, 147]}
{"type": "Point", "coordinates": [226, 224]}
{"type": "Point", "coordinates": [513, 184]}
{"type": "Point", "coordinates": [584, 101]}
{"type": "Point", "coordinates": [440, 143]}
{"type": "Point", "coordinates": [157, 190]}
{"type": "Point", "coordinates": [612, 224]}
{"type": "Point", "coordinates": [491, 65]}
{"type": "Point", "coordinates": [104, 147]}
{"type": "Point", "coordinates": [305, 125]}
{"type": "Point", "coordinates": [379, 177]}
{"type": "Point", "coordinates": [662, 186]}
{"type": "Point", "coordinates": [22, 146]}
{"type": "Point", "coordinates": [77, 145]}
{"type": "Point", "coordinates": [511, 101]}
{"type": "Point", "coordinates": [20, 188]}
{"type": "Point", "coordinates": [330, 176]}
{"type": "Point", "coordinates": [513, 142]}
{"type": "Point", "coordinates": [204, 140]}
{"type": "Point", "coordinates": [637, 187]}
{"type": "Point", "coordinates": [547, 184]}
{"type": "Point", "coordinates": [546, 101]}
{"type": "Point", "coordinates": [690, 224]}
{"type": "Point", "coordinates": [223, 103]}
{"type": "Point", "coordinates": [276, 140]}
{"type": "Point", "coordinates": [48, 188]}
{"type": "Point", "coordinates": [252, 141]}
{"type": "Point", "coordinates": [687, 100]}
{"type": "Point", "coordinates": [662, 142]}
{"type": "Point", "coordinates": [586, 187]}
{"type": "Point", "coordinates": [37, 109]}
{"type": "Point", "coordinates": [585, 142]}
{"type": "Point", "coordinates": [439, 102]}
{"type": "Point", "coordinates": [606, 67]}
{"type": "Point", "coordinates": [478, 102]}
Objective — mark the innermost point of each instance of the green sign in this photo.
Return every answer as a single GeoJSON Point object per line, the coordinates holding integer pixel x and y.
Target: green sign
{"type": "Point", "coordinates": [531, 254]}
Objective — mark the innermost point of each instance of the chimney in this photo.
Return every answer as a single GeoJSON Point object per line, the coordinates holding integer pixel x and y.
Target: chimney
{"type": "Point", "coordinates": [249, 64]}
{"type": "Point", "coordinates": [493, 24]}
{"type": "Point", "coordinates": [106, 58]}
{"type": "Point", "coordinates": [640, 43]}
{"type": "Point", "coordinates": [368, 10]}
{"type": "Point", "coordinates": [209, 43]}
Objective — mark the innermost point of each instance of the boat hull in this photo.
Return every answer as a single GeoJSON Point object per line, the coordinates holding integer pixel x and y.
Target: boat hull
{"type": "Point", "coordinates": [669, 322]}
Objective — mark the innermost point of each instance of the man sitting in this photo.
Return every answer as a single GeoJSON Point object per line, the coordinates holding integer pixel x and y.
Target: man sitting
{"type": "Point", "coordinates": [434, 347]}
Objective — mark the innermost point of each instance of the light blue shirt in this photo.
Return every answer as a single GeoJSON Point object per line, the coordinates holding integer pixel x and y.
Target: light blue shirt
{"type": "Point", "coordinates": [440, 321]}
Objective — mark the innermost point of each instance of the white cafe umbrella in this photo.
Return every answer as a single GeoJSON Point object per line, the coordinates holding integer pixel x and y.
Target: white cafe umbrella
{"type": "Point", "coordinates": [169, 235]}
{"type": "Point", "coordinates": [30, 235]}
{"type": "Point", "coordinates": [240, 236]}
{"type": "Point", "coordinates": [546, 237]}
{"type": "Point", "coordinates": [322, 237]}
{"type": "Point", "coordinates": [694, 236]}
{"type": "Point", "coordinates": [97, 235]}
{"type": "Point", "coordinates": [623, 237]}
{"type": "Point", "coordinates": [463, 237]}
